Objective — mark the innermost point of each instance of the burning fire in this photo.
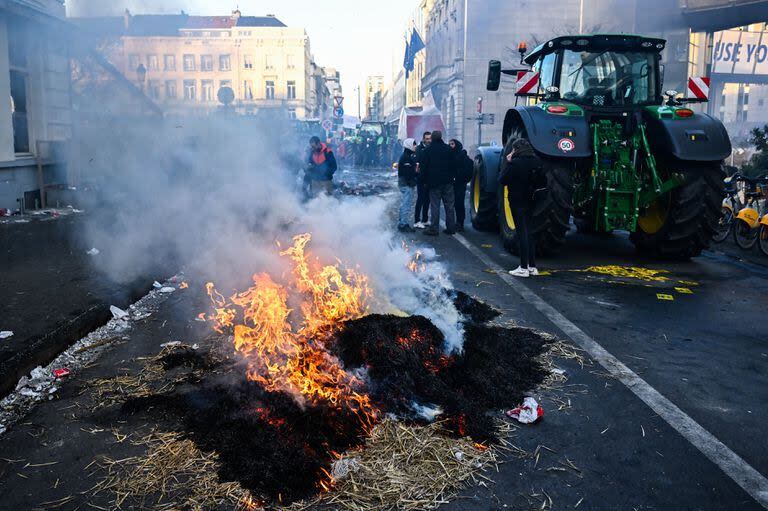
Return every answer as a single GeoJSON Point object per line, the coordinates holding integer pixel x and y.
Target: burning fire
{"type": "Point", "coordinates": [295, 360]}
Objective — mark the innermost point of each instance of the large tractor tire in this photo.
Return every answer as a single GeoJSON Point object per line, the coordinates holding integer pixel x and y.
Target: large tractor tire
{"type": "Point", "coordinates": [551, 212]}
{"type": "Point", "coordinates": [483, 204]}
{"type": "Point", "coordinates": [680, 224]}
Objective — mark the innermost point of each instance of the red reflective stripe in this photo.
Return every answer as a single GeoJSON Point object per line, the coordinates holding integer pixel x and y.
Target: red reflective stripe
{"type": "Point", "coordinates": [699, 87]}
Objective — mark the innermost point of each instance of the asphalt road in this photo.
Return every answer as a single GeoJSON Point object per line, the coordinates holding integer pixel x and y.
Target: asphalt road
{"type": "Point", "coordinates": [705, 351]}
{"type": "Point", "coordinates": [51, 293]}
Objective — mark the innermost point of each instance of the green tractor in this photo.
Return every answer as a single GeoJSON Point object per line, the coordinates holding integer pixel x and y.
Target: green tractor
{"type": "Point", "coordinates": [617, 154]}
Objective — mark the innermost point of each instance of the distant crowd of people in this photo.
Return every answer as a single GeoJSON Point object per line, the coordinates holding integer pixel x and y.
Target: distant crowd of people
{"type": "Point", "coordinates": [368, 149]}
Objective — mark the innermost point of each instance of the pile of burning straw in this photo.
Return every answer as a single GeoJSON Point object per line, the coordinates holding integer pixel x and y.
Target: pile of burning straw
{"type": "Point", "coordinates": [304, 397]}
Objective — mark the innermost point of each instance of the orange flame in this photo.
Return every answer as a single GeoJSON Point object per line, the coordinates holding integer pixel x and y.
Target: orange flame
{"type": "Point", "coordinates": [296, 362]}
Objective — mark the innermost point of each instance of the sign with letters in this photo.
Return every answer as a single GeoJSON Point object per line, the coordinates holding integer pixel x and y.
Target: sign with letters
{"type": "Point", "coordinates": [738, 52]}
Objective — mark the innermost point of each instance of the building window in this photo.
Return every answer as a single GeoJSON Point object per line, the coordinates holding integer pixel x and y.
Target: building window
{"type": "Point", "coordinates": [270, 89]}
{"type": "Point", "coordinates": [17, 53]}
{"type": "Point", "coordinates": [206, 90]}
{"type": "Point", "coordinates": [291, 113]}
{"type": "Point", "coordinates": [19, 111]}
{"type": "Point", "coordinates": [153, 89]}
{"type": "Point", "coordinates": [247, 62]}
{"type": "Point", "coordinates": [269, 62]}
{"type": "Point", "coordinates": [291, 90]}
{"type": "Point", "coordinates": [190, 90]}
{"type": "Point", "coordinates": [290, 62]}
{"type": "Point", "coordinates": [153, 63]}
{"type": "Point", "coordinates": [170, 89]}
{"type": "Point", "coordinates": [133, 62]}
{"type": "Point", "coordinates": [169, 62]}
{"type": "Point", "coordinates": [247, 89]}
{"type": "Point", "coordinates": [206, 63]}
{"type": "Point", "coordinates": [225, 63]}
{"type": "Point", "coordinates": [189, 62]}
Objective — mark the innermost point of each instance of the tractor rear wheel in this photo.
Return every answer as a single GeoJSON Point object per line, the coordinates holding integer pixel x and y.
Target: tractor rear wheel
{"type": "Point", "coordinates": [482, 204]}
{"type": "Point", "coordinates": [681, 223]}
{"type": "Point", "coordinates": [551, 211]}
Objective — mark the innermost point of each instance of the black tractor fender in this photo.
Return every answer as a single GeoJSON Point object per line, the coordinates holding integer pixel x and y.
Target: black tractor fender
{"type": "Point", "coordinates": [550, 134]}
{"type": "Point", "coordinates": [697, 138]}
{"type": "Point", "coordinates": [491, 157]}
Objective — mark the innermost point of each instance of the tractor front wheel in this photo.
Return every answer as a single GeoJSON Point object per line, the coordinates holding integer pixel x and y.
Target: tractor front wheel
{"type": "Point", "coordinates": [681, 223]}
{"type": "Point", "coordinates": [482, 207]}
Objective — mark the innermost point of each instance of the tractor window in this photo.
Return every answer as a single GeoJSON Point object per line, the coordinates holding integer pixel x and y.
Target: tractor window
{"type": "Point", "coordinates": [608, 78]}
{"type": "Point", "coordinates": [546, 69]}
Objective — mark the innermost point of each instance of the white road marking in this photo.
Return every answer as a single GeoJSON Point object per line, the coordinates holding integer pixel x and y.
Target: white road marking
{"type": "Point", "coordinates": [734, 466]}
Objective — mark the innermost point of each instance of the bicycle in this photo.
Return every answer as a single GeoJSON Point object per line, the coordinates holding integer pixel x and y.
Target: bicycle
{"type": "Point", "coordinates": [747, 224]}
{"type": "Point", "coordinates": [732, 204]}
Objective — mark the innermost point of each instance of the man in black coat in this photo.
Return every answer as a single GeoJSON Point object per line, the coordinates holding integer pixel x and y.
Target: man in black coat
{"type": "Point", "coordinates": [438, 167]}
{"type": "Point", "coordinates": [422, 192]}
{"type": "Point", "coordinates": [465, 171]}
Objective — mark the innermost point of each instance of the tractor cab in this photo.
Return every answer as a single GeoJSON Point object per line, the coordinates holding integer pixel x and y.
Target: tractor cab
{"type": "Point", "coordinates": [599, 72]}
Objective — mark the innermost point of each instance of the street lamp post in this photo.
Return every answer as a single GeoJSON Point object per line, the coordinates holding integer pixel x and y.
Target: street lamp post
{"type": "Point", "coordinates": [359, 105]}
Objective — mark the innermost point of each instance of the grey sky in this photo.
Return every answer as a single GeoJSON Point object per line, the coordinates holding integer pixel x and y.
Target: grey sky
{"type": "Point", "coordinates": [359, 37]}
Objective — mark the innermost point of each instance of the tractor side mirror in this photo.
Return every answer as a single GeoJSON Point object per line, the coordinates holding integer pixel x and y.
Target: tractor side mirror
{"type": "Point", "coordinates": [494, 75]}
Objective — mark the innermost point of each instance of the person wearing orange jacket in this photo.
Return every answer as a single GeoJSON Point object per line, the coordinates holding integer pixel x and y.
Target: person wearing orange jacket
{"type": "Point", "coordinates": [321, 165]}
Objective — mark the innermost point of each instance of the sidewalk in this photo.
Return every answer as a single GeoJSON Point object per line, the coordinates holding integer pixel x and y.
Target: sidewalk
{"type": "Point", "coordinates": [50, 293]}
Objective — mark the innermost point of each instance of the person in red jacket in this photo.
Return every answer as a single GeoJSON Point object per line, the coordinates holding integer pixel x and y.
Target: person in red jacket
{"type": "Point", "coordinates": [321, 165]}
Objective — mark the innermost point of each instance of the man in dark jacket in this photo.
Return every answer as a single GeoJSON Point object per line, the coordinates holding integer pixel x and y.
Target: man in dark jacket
{"type": "Point", "coordinates": [321, 165]}
{"type": "Point", "coordinates": [464, 173]}
{"type": "Point", "coordinates": [438, 166]}
{"type": "Point", "coordinates": [520, 167]}
{"type": "Point", "coordinates": [406, 181]}
{"type": "Point", "coordinates": [422, 193]}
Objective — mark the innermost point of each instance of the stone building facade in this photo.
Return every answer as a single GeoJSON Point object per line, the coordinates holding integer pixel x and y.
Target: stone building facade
{"type": "Point", "coordinates": [183, 61]}
{"type": "Point", "coordinates": [34, 74]}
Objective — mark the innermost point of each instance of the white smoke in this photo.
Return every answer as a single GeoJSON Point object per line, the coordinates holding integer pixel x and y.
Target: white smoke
{"type": "Point", "coordinates": [83, 8]}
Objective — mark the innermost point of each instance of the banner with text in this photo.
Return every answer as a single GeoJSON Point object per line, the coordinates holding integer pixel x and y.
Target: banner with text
{"type": "Point", "coordinates": [738, 52]}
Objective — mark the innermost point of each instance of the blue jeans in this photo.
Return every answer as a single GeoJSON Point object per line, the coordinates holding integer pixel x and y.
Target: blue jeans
{"type": "Point", "coordinates": [406, 205]}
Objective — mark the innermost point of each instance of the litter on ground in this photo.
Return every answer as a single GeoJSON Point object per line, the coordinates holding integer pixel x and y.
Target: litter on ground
{"type": "Point", "coordinates": [527, 413]}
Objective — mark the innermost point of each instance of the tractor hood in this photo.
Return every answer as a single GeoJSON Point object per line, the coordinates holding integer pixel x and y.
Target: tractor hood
{"type": "Point", "coordinates": [598, 42]}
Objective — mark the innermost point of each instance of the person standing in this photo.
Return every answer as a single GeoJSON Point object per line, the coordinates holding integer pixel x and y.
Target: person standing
{"type": "Point", "coordinates": [518, 174]}
{"type": "Point", "coordinates": [321, 165]}
{"type": "Point", "coordinates": [439, 168]}
{"type": "Point", "coordinates": [422, 192]}
{"type": "Point", "coordinates": [464, 171]}
{"type": "Point", "coordinates": [406, 181]}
